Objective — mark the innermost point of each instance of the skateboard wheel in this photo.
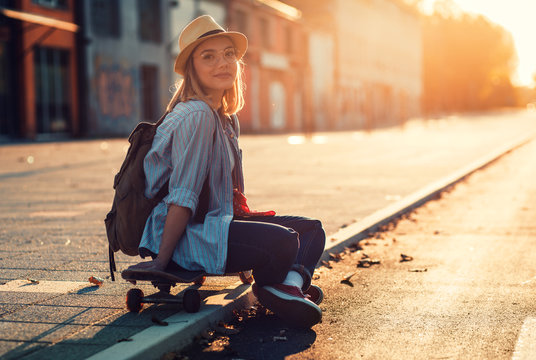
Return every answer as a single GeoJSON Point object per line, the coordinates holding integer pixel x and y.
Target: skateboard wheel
{"type": "Point", "coordinates": [134, 300]}
{"type": "Point", "coordinates": [191, 301]}
{"type": "Point", "coordinates": [200, 281]}
{"type": "Point", "coordinates": [246, 277]}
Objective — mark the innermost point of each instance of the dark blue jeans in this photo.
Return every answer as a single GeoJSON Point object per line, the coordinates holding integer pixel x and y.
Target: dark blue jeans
{"type": "Point", "coordinates": [273, 245]}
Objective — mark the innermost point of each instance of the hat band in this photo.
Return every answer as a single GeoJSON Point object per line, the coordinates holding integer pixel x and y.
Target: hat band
{"type": "Point", "coordinates": [212, 32]}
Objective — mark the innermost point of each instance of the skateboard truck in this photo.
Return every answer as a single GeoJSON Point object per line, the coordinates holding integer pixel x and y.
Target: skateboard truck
{"type": "Point", "coordinates": [190, 301]}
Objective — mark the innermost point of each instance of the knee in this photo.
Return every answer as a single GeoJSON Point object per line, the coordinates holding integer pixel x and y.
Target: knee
{"type": "Point", "coordinates": [317, 225]}
{"type": "Point", "coordinates": [319, 233]}
{"type": "Point", "coordinates": [288, 243]}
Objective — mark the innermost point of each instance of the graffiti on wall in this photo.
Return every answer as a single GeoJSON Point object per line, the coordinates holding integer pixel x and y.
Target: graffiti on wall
{"type": "Point", "coordinates": [115, 89]}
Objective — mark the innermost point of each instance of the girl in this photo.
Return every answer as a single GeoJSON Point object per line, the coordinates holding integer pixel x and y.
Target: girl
{"type": "Point", "coordinates": [204, 222]}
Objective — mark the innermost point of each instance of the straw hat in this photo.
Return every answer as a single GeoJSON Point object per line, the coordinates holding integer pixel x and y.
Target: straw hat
{"type": "Point", "coordinates": [201, 29]}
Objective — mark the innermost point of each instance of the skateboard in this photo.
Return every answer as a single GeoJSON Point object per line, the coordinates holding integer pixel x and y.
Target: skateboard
{"type": "Point", "coordinates": [164, 281]}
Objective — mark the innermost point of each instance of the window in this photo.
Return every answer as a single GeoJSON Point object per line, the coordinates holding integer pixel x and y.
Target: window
{"type": "Point", "coordinates": [149, 92]}
{"type": "Point", "coordinates": [105, 20]}
{"type": "Point", "coordinates": [289, 44]}
{"type": "Point", "coordinates": [55, 4]}
{"type": "Point", "coordinates": [3, 68]}
{"type": "Point", "coordinates": [265, 33]}
{"type": "Point", "coordinates": [149, 20]}
{"type": "Point", "coordinates": [7, 103]}
{"type": "Point", "coordinates": [241, 22]}
{"type": "Point", "coordinates": [52, 90]}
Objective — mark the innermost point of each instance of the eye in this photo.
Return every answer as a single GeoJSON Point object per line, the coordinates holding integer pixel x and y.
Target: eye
{"type": "Point", "coordinates": [207, 56]}
{"type": "Point", "coordinates": [230, 54]}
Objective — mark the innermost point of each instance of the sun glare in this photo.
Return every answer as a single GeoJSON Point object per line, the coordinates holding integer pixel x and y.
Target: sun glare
{"type": "Point", "coordinates": [516, 16]}
{"type": "Point", "coordinates": [296, 139]}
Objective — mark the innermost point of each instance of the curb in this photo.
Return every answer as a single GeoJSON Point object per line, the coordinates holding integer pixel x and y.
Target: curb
{"type": "Point", "coordinates": [361, 229]}
{"type": "Point", "coordinates": [155, 341]}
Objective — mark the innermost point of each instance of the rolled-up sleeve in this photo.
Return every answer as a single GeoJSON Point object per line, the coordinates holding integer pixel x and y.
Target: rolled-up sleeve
{"type": "Point", "coordinates": [192, 142]}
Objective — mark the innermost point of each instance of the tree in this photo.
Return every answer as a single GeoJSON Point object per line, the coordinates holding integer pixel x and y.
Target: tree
{"type": "Point", "coordinates": [468, 61]}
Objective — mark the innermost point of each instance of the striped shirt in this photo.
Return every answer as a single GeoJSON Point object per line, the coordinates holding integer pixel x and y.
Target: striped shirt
{"type": "Point", "coordinates": [189, 146]}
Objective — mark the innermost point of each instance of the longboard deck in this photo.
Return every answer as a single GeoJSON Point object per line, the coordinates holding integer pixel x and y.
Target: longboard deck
{"type": "Point", "coordinates": [163, 281]}
{"type": "Point", "coordinates": [181, 276]}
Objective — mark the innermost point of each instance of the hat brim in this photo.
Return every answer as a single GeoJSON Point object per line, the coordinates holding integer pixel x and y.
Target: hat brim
{"type": "Point", "coordinates": [239, 40]}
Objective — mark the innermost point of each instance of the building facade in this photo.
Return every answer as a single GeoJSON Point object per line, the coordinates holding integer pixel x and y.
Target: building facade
{"type": "Point", "coordinates": [277, 71]}
{"type": "Point", "coordinates": [97, 67]}
{"type": "Point", "coordinates": [376, 57]}
{"type": "Point", "coordinates": [39, 69]}
{"type": "Point", "coordinates": [126, 57]}
{"type": "Point", "coordinates": [380, 62]}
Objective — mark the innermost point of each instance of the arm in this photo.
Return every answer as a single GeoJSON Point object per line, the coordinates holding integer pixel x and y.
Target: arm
{"type": "Point", "coordinates": [191, 153]}
{"type": "Point", "coordinates": [176, 220]}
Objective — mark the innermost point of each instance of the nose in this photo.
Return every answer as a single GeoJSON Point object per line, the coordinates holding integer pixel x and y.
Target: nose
{"type": "Point", "coordinates": [221, 58]}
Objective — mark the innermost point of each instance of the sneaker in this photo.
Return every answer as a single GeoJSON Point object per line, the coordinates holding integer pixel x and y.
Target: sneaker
{"type": "Point", "coordinates": [290, 304]}
{"type": "Point", "coordinates": [315, 294]}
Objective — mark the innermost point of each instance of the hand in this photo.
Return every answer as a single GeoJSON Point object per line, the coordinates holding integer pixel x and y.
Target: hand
{"type": "Point", "coordinates": [241, 208]}
{"type": "Point", "coordinates": [153, 265]}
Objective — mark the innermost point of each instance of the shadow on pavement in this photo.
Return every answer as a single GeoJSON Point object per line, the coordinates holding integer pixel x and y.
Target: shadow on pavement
{"type": "Point", "coordinates": [77, 337]}
{"type": "Point", "coordinates": [263, 336]}
{"type": "Point", "coordinates": [73, 332]}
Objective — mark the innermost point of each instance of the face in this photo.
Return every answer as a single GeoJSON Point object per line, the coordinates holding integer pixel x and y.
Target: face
{"type": "Point", "coordinates": [216, 66]}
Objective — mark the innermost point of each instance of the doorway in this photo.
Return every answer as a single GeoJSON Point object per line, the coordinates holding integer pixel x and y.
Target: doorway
{"type": "Point", "coordinates": [53, 99]}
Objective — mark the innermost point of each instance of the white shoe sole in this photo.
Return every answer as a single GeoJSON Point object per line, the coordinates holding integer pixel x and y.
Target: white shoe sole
{"type": "Point", "coordinates": [296, 312]}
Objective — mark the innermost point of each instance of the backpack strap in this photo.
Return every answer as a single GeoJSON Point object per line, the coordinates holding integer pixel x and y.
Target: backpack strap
{"type": "Point", "coordinates": [111, 258]}
{"type": "Point", "coordinates": [162, 118]}
{"type": "Point", "coordinates": [164, 189]}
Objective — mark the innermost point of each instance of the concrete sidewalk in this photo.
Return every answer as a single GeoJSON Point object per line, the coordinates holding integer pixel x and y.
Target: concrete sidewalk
{"type": "Point", "coordinates": [55, 196]}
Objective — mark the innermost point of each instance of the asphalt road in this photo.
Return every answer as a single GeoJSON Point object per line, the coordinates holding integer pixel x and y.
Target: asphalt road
{"type": "Point", "coordinates": [54, 197]}
{"type": "Point", "coordinates": [467, 293]}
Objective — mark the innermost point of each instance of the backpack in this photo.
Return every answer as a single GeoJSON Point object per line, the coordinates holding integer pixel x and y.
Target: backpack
{"type": "Point", "coordinates": [130, 208]}
{"type": "Point", "coordinates": [126, 220]}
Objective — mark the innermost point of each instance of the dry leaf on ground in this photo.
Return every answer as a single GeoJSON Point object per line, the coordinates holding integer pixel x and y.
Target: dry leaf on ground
{"type": "Point", "coordinates": [96, 280]}
{"type": "Point", "coordinates": [404, 258]}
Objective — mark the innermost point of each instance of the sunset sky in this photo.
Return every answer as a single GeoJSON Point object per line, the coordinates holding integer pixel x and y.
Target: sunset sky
{"type": "Point", "coordinates": [519, 18]}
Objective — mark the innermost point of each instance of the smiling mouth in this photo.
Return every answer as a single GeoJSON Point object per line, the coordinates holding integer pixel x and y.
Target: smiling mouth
{"type": "Point", "coordinates": [223, 76]}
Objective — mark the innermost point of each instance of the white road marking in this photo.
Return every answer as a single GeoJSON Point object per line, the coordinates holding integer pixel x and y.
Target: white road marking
{"type": "Point", "coordinates": [56, 214]}
{"type": "Point", "coordinates": [526, 341]}
{"type": "Point", "coordinates": [43, 286]}
{"type": "Point", "coordinates": [528, 281]}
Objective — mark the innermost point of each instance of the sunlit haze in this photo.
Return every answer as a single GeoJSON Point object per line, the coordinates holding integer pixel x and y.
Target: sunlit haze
{"type": "Point", "coordinates": [516, 16]}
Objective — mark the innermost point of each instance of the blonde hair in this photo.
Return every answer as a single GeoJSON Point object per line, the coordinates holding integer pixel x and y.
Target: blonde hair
{"type": "Point", "coordinates": [190, 88]}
